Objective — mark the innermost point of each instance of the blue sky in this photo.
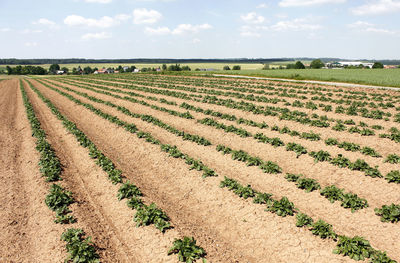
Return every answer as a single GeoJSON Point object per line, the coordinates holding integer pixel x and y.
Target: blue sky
{"type": "Point", "coordinates": [200, 29]}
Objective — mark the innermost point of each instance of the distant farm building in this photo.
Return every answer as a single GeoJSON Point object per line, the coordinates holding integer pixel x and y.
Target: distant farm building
{"type": "Point", "coordinates": [344, 64]}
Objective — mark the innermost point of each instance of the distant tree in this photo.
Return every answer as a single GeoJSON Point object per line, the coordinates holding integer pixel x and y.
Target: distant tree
{"type": "Point", "coordinates": [299, 65]}
{"type": "Point", "coordinates": [132, 68]}
{"type": "Point", "coordinates": [236, 67]}
{"type": "Point", "coordinates": [186, 68]}
{"type": "Point", "coordinates": [176, 67]}
{"type": "Point", "coordinates": [65, 69]}
{"type": "Point", "coordinates": [317, 63]}
{"type": "Point", "coordinates": [87, 70]}
{"type": "Point", "coordinates": [398, 66]}
{"type": "Point", "coordinates": [53, 68]}
{"type": "Point", "coordinates": [120, 68]}
{"type": "Point", "coordinates": [164, 67]}
{"type": "Point", "coordinates": [377, 65]}
{"type": "Point", "coordinates": [226, 67]}
{"type": "Point", "coordinates": [9, 70]}
{"type": "Point", "coordinates": [290, 66]}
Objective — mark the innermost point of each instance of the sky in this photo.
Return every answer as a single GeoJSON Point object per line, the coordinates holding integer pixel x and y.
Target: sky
{"type": "Point", "coordinates": [351, 29]}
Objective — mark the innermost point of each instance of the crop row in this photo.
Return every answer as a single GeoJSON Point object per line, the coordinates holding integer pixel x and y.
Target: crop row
{"type": "Point", "coordinates": [58, 199]}
{"type": "Point", "coordinates": [348, 200]}
{"type": "Point", "coordinates": [260, 89]}
{"type": "Point", "coordinates": [352, 110]}
{"type": "Point", "coordinates": [145, 214]}
{"type": "Point", "coordinates": [269, 111]}
{"type": "Point", "coordinates": [175, 152]}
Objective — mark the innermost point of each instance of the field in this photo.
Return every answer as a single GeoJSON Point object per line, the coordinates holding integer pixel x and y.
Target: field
{"type": "Point", "coordinates": [378, 77]}
{"type": "Point", "coordinates": [163, 168]}
{"type": "Point", "coordinates": [193, 66]}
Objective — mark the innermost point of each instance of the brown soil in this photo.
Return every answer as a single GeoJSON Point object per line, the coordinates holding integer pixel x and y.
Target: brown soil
{"type": "Point", "coordinates": [27, 230]}
{"type": "Point", "coordinates": [99, 213]}
{"type": "Point", "coordinates": [214, 216]}
{"type": "Point", "coordinates": [363, 223]}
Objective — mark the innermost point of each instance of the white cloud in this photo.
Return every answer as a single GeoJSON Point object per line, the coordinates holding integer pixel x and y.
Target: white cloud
{"type": "Point", "coordinates": [291, 3]}
{"type": "Point", "coordinates": [263, 5]}
{"type": "Point", "coordinates": [31, 44]}
{"type": "Point", "coordinates": [188, 28]}
{"type": "Point", "coordinates": [252, 18]}
{"type": "Point", "coordinates": [298, 24]}
{"type": "Point", "coordinates": [179, 30]}
{"type": "Point", "coordinates": [5, 29]}
{"type": "Point", "coordinates": [103, 22]}
{"type": "Point", "coordinates": [45, 22]}
{"type": "Point", "coordinates": [98, 1]}
{"type": "Point", "coordinates": [157, 31]}
{"type": "Point", "coordinates": [368, 27]}
{"type": "Point", "coordinates": [144, 16]}
{"type": "Point", "coordinates": [101, 35]}
{"type": "Point", "coordinates": [196, 40]}
{"type": "Point", "coordinates": [377, 8]}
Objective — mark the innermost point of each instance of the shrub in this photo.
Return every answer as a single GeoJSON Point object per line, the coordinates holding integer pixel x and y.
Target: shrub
{"type": "Point", "coordinates": [236, 67]}
{"type": "Point", "coordinates": [393, 177]}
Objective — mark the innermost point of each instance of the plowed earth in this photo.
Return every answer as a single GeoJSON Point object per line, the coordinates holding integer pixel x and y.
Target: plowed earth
{"type": "Point", "coordinates": [230, 229]}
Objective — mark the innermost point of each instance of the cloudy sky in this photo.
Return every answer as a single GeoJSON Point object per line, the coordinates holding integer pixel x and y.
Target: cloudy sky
{"type": "Point", "coordinates": [199, 28]}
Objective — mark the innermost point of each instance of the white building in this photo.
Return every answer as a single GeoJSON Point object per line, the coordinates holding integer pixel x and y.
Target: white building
{"type": "Point", "coordinates": [350, 63]}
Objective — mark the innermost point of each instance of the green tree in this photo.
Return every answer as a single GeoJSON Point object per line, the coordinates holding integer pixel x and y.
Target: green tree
{"type": "Point", "coordinates": [226, 67]}
{"type": "Point", "coordinates": [53, 68]}
{"type": "Point", "coordinates": [87, 70]}
{"type": "Point", "coordinates": [186, 68]}
{"type": "Point", "coordinates": [299, 65]}
{"type": "Point", "coordinates": [317, 63]}
{"type": "Point", "coordinates": [164, 67]}
{"type": "Point", "coordinates": [236, 67]}
{"type": "Point", "coordinates": [65, 69]}
{"type": "Point", "coordinates": [377, 65]}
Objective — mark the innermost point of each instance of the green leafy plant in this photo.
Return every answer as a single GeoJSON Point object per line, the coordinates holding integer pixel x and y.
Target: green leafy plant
{"type": "Point", "coordinates": [282, 207]}
{"type": "Point", "coordinates": [389, 213]}
{"type": "Point", "coordinates": [308, 184]}
{"type": "Point", "coordinates": [293, 177]}
{"type": "Point", "coordinates": [354, 202]}
{"type": "Point", "coordinates": [135, 203]}
{"type": "Point", "coordinates": [297, 148]}
{"type": "Point", "coordinates": [392, 158]}
{"type": "Point", "coordinates": [303, 220]}
{"type": "Point", "coordinates": [128, 190]}
{"type": "Point", "coordinates": [323, 229]}
{"type": "Point", "coordinates": [80, 249]}
{"type": "Point", "coordinates": [262, 198]}
{"type": "Point", "coordinates": [332, 193]}
{"type": "Point", "coordinates": [393, 177]}
{"type": "Point", "coordinates": [147, 215]}
{"type": "Point", "coordinates": [356, 248]}
{"type": "Point", "coordinates": [381, 257]}
{"type": "Point", "coordinates": [187, 250]}
{"type": "Point", "coordinates": [321, 156]}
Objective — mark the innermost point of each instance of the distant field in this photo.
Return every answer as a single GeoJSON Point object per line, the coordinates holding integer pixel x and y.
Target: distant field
{"type": "Point", "coordinates": [379, 77]}
{"type": "Point", "coordinates": [193, 66]}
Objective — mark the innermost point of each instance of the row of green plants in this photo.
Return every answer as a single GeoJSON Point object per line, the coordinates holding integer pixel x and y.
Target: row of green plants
{"type": "Point", "coordinates": [310, 135]}
{"type": "Point", "coordinates": [352, 110]}
{"type": "Point", "coordinates": [348, 200]}
{"type": "Point", "coordinates": [79, 248]}
{"type": "Point", "coordinates": [260, 90]}
{"type": "Point", "coordinates": [145, 214]}
{"type": "Point", "coordinates": [356, 248]}
{"type": "Point", "coordinates": [259, 110]}
{"type": "Point", "coordinates": [279, 207]}
{"type": "Point", "coordinates": [144, 117]}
